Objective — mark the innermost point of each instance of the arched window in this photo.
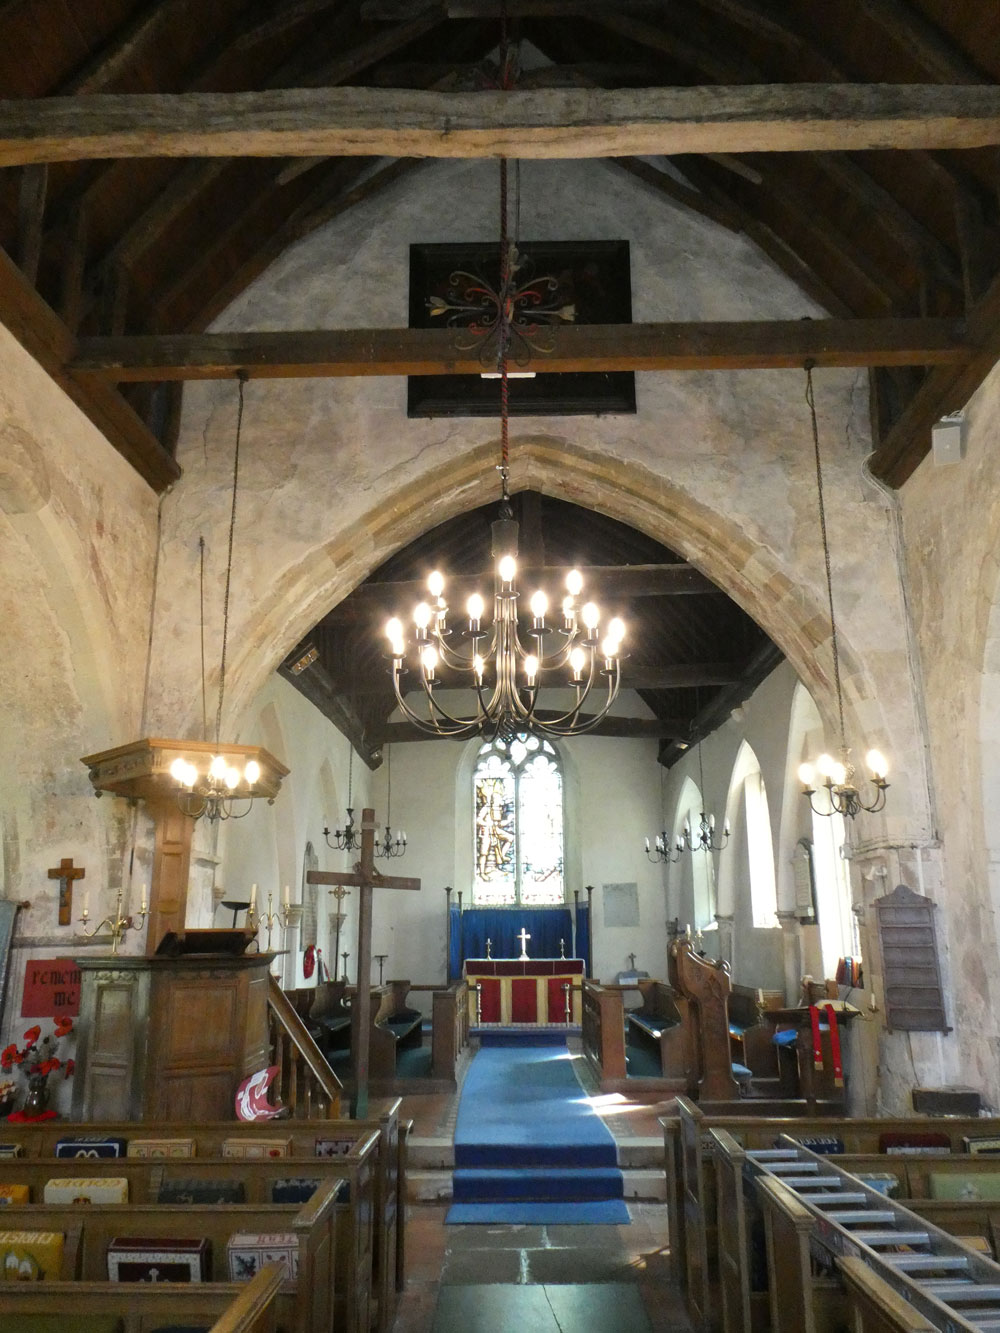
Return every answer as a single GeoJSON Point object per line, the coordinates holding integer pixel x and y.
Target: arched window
{"type": "Point", "coordinates": [518, 824]}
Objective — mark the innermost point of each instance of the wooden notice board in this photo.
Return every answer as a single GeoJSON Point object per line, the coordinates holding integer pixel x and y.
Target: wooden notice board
{"type": "Point", "coordinates": [914, 1001]}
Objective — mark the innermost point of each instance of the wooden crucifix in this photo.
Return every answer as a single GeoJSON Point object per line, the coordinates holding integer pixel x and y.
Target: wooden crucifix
{"type": "Point", "coordinates": [66, 872]}
{"type": "Point", "coordinates": [365, 878]}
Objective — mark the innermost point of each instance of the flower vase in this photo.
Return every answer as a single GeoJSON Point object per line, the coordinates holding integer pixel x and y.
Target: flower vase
{"type": "Point", "coordinates": [37, 1099]}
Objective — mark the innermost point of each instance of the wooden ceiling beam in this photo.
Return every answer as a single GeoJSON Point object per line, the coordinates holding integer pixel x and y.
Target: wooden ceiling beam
{"type": "Point", "coordinates": [321, 690]}
{"type": "Point", "coordinates": [640, 677]}
{"type": "Point", "coordinates": [627, 728]}
{"type": "Point", "coordinates": [43, 334]}
{"type": "Point", "coordinates": [724, 345]}
{"type": "Point", "coordinates": [554, 123]}
{"type": "Point", "coordinates": [946, 389]}
{"type": "Point", "coordinates": [678, 579]}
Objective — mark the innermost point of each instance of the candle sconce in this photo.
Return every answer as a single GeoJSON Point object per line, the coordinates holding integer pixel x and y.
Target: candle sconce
{"type": "Point", "coordinates": [288, 915]}
{"type": "Point", "coordinates": [117, 924]}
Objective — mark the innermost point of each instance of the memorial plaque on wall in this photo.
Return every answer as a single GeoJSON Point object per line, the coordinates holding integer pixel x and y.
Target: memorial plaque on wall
{"type": "Point", "coordinates": [914, 1001]}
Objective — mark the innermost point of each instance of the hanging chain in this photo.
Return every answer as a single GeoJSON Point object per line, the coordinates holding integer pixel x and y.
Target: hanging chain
{"type": "Point", "coordinates": [242, 377]}
{"type": "Point", "coordinates": [503, 348]}
{"type": "Point", "coordinates": [350, 776]}
{"type": "Point", "coordinates": [201, 608]}
{"type": "Point", "coordinates": [811, 400]}
{"type": "Point", "coordinates": [388, 783]}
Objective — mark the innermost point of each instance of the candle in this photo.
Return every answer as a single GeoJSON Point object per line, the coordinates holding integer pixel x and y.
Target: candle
{"type": "Point", "coordinates": [286, 899]}
{"type": "Point", "coordinates": [142, 909]}
{"type": "Point", "coordinates": [86, 903]}
{"type": "Point", "coordinates": [253, 896]}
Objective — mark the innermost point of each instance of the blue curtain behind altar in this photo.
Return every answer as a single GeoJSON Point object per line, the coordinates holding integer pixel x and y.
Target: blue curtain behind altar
{"type": "Point", "coordinates": [501, 926]}
{"type": "Point", "coordinates": [583, 932]}
{"type": "Point", "coordinates": [455, 943]}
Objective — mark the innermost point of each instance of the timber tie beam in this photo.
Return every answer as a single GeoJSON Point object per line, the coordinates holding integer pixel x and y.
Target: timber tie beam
{"type": "Point", "coordinates": [548, 123]}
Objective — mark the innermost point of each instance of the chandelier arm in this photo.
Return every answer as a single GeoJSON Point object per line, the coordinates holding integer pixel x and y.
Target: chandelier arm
{"type": "Point", "coordinates": [811, 402]}
{"type": "Point", "coordinates": [452, 726]}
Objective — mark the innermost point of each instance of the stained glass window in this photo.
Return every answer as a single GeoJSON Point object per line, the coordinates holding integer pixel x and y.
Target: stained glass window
{"type": "Point", "coordinates": [518, 823]}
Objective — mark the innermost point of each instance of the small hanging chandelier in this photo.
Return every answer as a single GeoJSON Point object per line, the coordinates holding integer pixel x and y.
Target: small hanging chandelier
{"type": "Point", "coordinates": [219, 788]}
{"type": "Point", "coordinates": [703, 840]}
{"type": "Point", "coordinates": [348, 838]}
{"type": "Point", "coordinates": [387, 846]}
{"type": "Point", "coordinates": [665, 848]}
{"type": "Point", "coordinates": [838, 776]}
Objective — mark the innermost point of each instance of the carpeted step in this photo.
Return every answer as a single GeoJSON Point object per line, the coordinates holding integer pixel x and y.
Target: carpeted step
{"type": "Point", "coordinates": [514, 1156]}
{"type": "Point", "coordinates": [566, 1184]}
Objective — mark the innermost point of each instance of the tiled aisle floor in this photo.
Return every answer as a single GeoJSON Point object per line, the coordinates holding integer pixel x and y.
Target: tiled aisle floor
{"type": "Point", "coordinates": [538, 1279]}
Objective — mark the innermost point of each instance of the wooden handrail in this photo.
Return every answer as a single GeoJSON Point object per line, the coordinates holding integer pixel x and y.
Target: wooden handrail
{"type": "Point", "coordinates": [253, 1309]}
{"type": "Point", "coordinates": [299, 1038]}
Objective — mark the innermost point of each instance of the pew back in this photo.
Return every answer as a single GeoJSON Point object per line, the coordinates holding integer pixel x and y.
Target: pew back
{"type": "Point", "coordinates": [141, 1307]}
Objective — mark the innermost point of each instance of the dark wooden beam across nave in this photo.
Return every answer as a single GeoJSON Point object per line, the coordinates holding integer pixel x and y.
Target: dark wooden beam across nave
{"type": "Point", "coordinates": [707, 345]}
{"type": "Point", "coordinates": [550, 123]}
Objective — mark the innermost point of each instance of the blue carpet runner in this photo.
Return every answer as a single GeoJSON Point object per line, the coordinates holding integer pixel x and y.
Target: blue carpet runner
{"type": "Point", "coordinates": [528, 1146]}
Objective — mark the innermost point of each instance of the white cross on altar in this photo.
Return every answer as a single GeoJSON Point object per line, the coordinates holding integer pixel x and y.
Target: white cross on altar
{"type": "Point", "coordinates": [524, 937]}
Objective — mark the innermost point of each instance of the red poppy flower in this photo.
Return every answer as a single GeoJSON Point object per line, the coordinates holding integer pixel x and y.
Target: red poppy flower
{"type": "Point", "coordinates": [32, 1035]}
{"type": "Point", "coordinates": [63, 1027]}
{"type": "Point", "coordinates": [70, 1066]}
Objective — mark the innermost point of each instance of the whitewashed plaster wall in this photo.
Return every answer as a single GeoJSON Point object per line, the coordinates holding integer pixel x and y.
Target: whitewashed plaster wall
{"type": "Point", "coordinates": [715, 465]}
{"type": "Point", "coordinates": [951, 520]}
{"type": "Point", "coordinates": [77, 558]}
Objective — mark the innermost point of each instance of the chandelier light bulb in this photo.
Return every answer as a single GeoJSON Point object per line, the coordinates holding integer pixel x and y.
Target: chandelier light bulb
{"type": "Point", "coordinates": [568, 609]}
{"type": "Point", "coordinates": [475, 607]}
{"type": "Point", "coordinates": [877, 765]}
{"type": "Point", "coordinates": [178, 771]}
{"type": "Point", "coordinates": [507, 569]}
{"type": "Point", "coordinates": [252, 772]}
{"type": "Point", "coordinates": [232, 778]}
{"type": "Point", "coordinates": [616, 629]}
{"type": "Point", "coordinates": [838, 774]}
{"type": "Point", "coordinates": [421, 615]}
{"type": "Point", "coordinates": [825, 766]}
{"type": "Point", "coordinates": [394, 629]}
{"type": "Point", "coordinates": [807, 774]}
{"type": "Point", "coordinates": [478, 667]}
{"type": "Point", "coordinates": [574, 583]}
{"type": "Point", "coordinates": [610, 647]}
{"type": "Point", "coordinates": [539, 604]}
{"type": "Point", "coordinates": [435, 583]}
{"type": "Point", "coordinates": [531, 668]}
{"type": "Point", "coordinates": [217, 768]}
{"type": "Point", "coordinates": [577, 661]}
{"type": "Point", "coordinates": [591, 616]}
{"type": "Point", "coordinates": [429, 658]}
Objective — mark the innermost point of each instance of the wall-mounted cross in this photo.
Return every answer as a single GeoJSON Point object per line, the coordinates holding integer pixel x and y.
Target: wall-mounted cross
{"type": "Point", "coordinates": [66, 872]}
{"type": "Point", "coordinates": [524, 937]}
{"type": "Point", "coordinates": [631, 962]}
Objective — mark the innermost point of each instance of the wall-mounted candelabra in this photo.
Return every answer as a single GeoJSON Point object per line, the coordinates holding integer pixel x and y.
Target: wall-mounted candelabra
{"type": "Point", "coordinates": [117, 924]}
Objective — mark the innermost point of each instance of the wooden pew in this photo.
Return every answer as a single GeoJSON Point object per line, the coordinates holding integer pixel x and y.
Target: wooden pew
{"type": "Point", "coordinates": [691, 1173]}
{"type": "Point", "coordinates": [140, 1307]}
{"type": "Point", "coordinates": [664, 1021]}
{"type": "Point", "coordinates": [875, 1307]}
{"type": "Point", "coordinates": [744, 1298]}
{"type": "Point", "coordinates": [705, 985]}
{"type": "Point", "coordinates": [371, 1236]}
{"type": "Point", "coordinates": [308, 1308]}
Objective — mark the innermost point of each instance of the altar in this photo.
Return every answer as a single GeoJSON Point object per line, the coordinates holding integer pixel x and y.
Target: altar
{"type": "Point", "coordinates": [542, 991]}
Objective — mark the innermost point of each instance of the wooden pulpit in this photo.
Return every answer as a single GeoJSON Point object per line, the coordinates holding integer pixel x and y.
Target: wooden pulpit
{"type": "Point", "coordinates": [169, 1038]}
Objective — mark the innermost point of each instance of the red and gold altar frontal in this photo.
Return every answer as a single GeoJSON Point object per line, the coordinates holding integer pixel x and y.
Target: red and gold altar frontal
{"type": "Point", "coordinates": [505, 991]}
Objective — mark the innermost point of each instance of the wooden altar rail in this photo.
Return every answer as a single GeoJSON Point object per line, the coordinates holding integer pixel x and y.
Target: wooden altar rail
{"type": "Point", "coordinates": [305, 1082]}
{"type": "Point", "coordinates": [140, 1307]}
{"type": "Point", "coordinates": [692, 1203]}
{"type": "Point", "coordinates": [306, 1307]}
{"type": "Point", "coordinates": [604, 1033]}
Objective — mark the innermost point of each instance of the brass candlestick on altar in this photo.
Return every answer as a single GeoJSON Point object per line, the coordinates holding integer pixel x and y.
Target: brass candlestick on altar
{"type": "Point", "coordinates": [117, 924]}
{"type": "Point", "coordinates": [489, 948]}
